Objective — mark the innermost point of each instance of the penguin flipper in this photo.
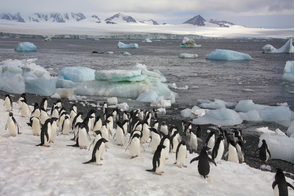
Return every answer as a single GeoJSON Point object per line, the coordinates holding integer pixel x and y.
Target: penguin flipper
{"type": "Point", "coordinates": [290, 185]}
{"type": "Point", "coordinates": [90, 161]}
{"type": "Point", "coordinates": [150, 170]}
{"type": "Point", "coordinates": [29, 124]}
{"type": "Point", "coordinates": [274, 184]}
{"type": "Point", "coordinates": [195, 159]}
{"type": "Point", "coordinates": [269, 153]}
{"type": "Point", "coordinates": [212, 161]}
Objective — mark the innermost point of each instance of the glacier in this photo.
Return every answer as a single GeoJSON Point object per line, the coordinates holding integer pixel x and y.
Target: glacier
{"type": "Point", "coordinates": [131, 45]}
{"type": "Point", "coordinates": [189, 43]}
{"type": "Point", "coordinates": [286, 48]}
{"type": "Point", "coordinates": [289, 72]}
{"type": "Point", "coordinates": [228, 55]}
{"type": "Point", "coordinates": [25, 47]}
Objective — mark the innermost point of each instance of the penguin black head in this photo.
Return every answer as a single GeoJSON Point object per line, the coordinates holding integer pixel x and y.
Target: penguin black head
{"type": "Point", "coordinates": [10, 114]}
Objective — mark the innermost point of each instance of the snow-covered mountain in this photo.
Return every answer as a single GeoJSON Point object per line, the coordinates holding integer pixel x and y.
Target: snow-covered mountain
{"type": "Point", "coordinates": [121, 18]}
{"type": "Point", "coordinates": [12, 17]}
{"type": "Point", "coordinates": [221, 23]}
{"type": "Point", "coordinates": [200, 21]}
{"type": "Point", "coordinates": [197, 20]}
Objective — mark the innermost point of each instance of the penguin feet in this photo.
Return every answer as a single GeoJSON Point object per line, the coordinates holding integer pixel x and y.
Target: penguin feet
{"type": "Point", "coordinates": [47, 146]}
{"type": "Point", "coordinates": [132, 157]}
{"type": "Point", "coordinates": [99, 164]}
{"type": "Point", "coordinates": [101, 158]}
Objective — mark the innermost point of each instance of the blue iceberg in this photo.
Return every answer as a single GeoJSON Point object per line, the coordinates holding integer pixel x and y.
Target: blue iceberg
{"type": "Point", "coordinates": [44, 86]}
{"type": "Point", "coordinates": [12, 83]}
{"type": "Point", "coordinates": [286, 48]}
{"type": "Point", "coordinates": [289, 72]}
{"type": "Point", "coordinates": [131, 45]}
{"type": "Point", "coordinates": [25, 47]}
{"type": "Point", "coordinates": [77, 74]}
{"type": "Point", "coordinates": [228, 55]}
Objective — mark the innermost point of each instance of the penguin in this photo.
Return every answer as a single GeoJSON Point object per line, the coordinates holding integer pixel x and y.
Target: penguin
{"type": "Point", "coordinates": [135, 145]}
{"type": "Point", "coordinates": [264, 153]}
{"type": "Point", "coordinates": [43, 116]}
{"type": "Point", "coordinates": [61, 119]}
{"type": "Point", "coordinates": [238, 135]}
{"type": "Point", "coordinates": [97, 151]}
{"type": "Point", "coordinates": [241, 150]}
{"type": "Point", "coordinates": [36, 111]}
{"type": "Point", "coordinates": [203, 165]}
{"type": "Point", "coordinates": [187, 128]}
{"type": "Point", "coordinates": [35, 123]}
{"type": "Point", "coordinates": [193, 142]}
{"type": "Point", "coordinates": [12, 125]}
{"type": "Point", "coordinates": [53, 132]}
{"type": "Point", "coordinates": [44, 103]}
{"type": "Point", "coordinates": [280, 185]}
{"type": "Point", "coordinates": [181, 154]}
{"type": "Point", "coordinates": [97, 137]}
{"type": "Point", "coordinates": [73, 113]}
{"type": "Point", "coordinates": [232, 152]}
{"type": "Point", "coordinates": [54, 112]}
{"type": "Point", "coordinates": [25, 110]}
{"type": "Point", "coordinates": [125, 125]}
{"type": "Point", "coordinates": [77, 119]}
{"type": "Point", "coordinates": [174, 141]}
{"type": "Point", "coordinates": [104, 108]}
{"type": "Point", "coordinates": [105, 133]}
{"type": "Point", "coordinates": [145, 132]}
{"type": "Point", "coordinates": [58, 104]}
{"type": "Point", "coordinates": [45, 133]}
{"type": "Point", "coordinates": [159, 159]}
{"type": "Point", "coordinates": [97, 123]}
{"type": "Point", "coordinates": [164, 128]}
{"type": "Point", "coordinates": [148, 117]}
{"type": "Point", "coordinates": [218, 149]}
{"type": "Point", "coordinates": [66, 126]}
{"type": "Point", "coordinates": [210, 141]}
{"type": "Point", "coordinates": [22, 97]}
{"type": "Point", "coordinates": [120, 136]}
{"type": "Point", "coordinates": [110, 123]}
{"type": "Point", "coordinates": [156, 139]}
{"type": "Point", "coordinates": [83, 135]}
{"type": "Point", "coordinates": [166, 142]}
{"type": "Point", "coordinates": [91, 116]}
{"type": "Point", "coordinates": [8, 103]}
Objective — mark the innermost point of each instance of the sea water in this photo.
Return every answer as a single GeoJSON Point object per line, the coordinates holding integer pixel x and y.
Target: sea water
{"type": "Point", "coordinates": [259, 79]}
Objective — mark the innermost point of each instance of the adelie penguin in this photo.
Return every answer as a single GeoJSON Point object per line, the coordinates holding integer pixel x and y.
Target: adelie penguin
{"type": "Point", "coordinates": [218, 149]}
{"type": "Point", "coordinates": [203, 165]}
{"type": "Point", "coordinates": [45, 133]}
{"type": "Point", "coordinates": [264, 153]}
{"type": "Point", "coordinates": [35, 123]}
{"type": "Point", "coordinates": [159, 159]}
{"type": "Point", "coordinates": [280, 185]}
{"type": "Point", "coordinates": [12, 125]}
{"type": "Point", "coordinates": [8, 103]}
{"type": "Point", "coordinates": [181, 154]}
{"type": "Point", "coordinates": [97, 151]}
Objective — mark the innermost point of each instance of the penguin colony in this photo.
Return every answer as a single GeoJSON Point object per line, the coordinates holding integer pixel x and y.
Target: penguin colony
{"type": "Point", "coordinates": [141, 127]}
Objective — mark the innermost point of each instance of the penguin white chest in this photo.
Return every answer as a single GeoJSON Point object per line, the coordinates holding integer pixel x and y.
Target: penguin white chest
{"type": "Point", "coordinates": [155, 141]}
{"type": "Point", "coordinates": [83, 138]}
{"type": "Point", "coordinates": [12, 127]}
{"type": "Point", "coordinates": [181, 156]}
{"type": "Point", "coordinates": [161, 164]}
{"type": "Point", "coordinates": [219, 152]}
{"type": "Point", "coordinates": [99, 152]}
{"type": "Point", "coordinates": [66, 127]}
{"type": "Point", "coordinates": [120, 136]}
{"type": "Point", "coordinates": [232, 154]}
{"type": "Point", "coordinates": [193, 142]}
{"type": "Point", "coordinates": [134, 149]}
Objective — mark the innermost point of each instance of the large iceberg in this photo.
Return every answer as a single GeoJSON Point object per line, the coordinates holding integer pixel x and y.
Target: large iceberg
{"type": "Point", "coordinates": [286, 48]}
{"type": "Point", "coordinates": [131, 45]}
{"type": "Point", "coordinates": [228, 55]}
{"type": "Point", "coordinates": [289, 72]}
{"type": "Point", "coordinates": [189, 43]}
{"type": "Point", "coordinates": [25, 47]}
{"type": "Point", "coordinates": [77, 74]}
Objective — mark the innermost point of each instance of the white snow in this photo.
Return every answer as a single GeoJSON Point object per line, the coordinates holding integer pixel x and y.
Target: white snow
{"type": "Point", "coordinates": [228, 55]}
{"type": "Point", "coordinates": [26, 169]}
{"type": "Point", "coordinates": [286, 48]}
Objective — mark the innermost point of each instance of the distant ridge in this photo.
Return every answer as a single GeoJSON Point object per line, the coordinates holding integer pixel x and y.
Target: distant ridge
{"type": "Point", "coordinates": [197, 20]}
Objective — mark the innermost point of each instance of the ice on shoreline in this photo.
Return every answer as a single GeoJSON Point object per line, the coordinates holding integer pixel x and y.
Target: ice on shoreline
{"type": "Point", "coordinates": [124, 46]}
{"type": "Point", "coordinates": [228, 55]}
{"type": "Point", "coordinates": [286, 48]}
{"type": "Point", "coordinates": [189, 43]}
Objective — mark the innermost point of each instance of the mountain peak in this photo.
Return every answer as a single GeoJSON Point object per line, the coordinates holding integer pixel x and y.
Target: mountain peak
{"type": "Point", "coordinates": [119, 16]}
{"type": "Point", "coordinates": [197, 20]}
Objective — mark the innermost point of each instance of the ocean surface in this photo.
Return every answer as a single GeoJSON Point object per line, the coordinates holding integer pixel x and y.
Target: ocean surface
{"type": "Point", "coordinates": [231, 81]}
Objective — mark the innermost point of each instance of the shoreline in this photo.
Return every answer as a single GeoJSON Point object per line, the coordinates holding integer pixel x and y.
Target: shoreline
{"type": "Point", "coordinates": [252, 138]}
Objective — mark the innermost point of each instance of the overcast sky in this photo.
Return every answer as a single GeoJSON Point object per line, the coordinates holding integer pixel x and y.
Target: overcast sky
{"type": "Point", "coordinates": [251, 13]}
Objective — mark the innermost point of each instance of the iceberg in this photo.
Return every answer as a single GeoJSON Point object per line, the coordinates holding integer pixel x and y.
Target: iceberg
{"type": "Point", "coordinates": [276, 114]}
{"type": "Point", "coordinates": [77, 74]}
{"type": "Point", "coordinates": [126, 54]}
{"type": "Point", "coordinates": [187, 56]}
{"type": "Point", "coordinates": [247, 105]}
{"type": "Point", "coordinates": [228, 55]}
{"type": "Point", "coordinates": [44, 86]}
{"type": "Point", "coordinates": [289, 72]}
{"type": "Point", "coordinates": [195, 112]}
{"type": "Point", "coordinates": [286, 48]}
{"type": "Point", "coordinates": [219, 117]}
{"type": "Point", "coordinates": [25, 47]}
{"type": "Point", "coordinates": [280, 145]}
{"type": "Point", "coordinates": [189, 43]}
{"type": "Point", "coordinates": [131, 45]}
{"type": "Point", "coordinates": [147, 40]}
{"type": "Point", "coordinates": [148, 96]}
{"type": "Point", "coordinates": [12, 83]}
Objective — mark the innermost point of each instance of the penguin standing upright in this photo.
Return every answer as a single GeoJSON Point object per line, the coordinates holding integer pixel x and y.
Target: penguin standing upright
{"type": "Point", "coordinates": [120, 136]}
{"type": "Point", "coordinates": [175, 139]}
{"type": "Point", "coordinates": [280, 185]}
{"type": "Point", "coordinates": [97, 151]}
{"type": "Point", "coordinates": [8, 103]}
{"type": "Point", "coordinates": [159, 159]}
{"type": "Point", "coordinates": [45, 133]}
{"type": "Point", "coordinates": [193, 142]}
{"type": "Point", "coordinates": [232, 152]}
{"type": "Point", "coordinates": [36, 111]}
{"type": "Point", "coordinates": [43, 116]}
{"type": "Point", "coordinates": [164, 128]}
{"type": "Point", "coordinates": [25, 110]}
{"type": "Point", "coordinates": [146, 133]}
{"type": "Point", "coordinates": [135, 146]}
{"type": "Point", "coordinates": [218, 149]}
{"type": "Point", "coordinates": [53, 132]}
{"type": "Point", "coordinates": [166, 142]}
{"type": "Point", "coordinates": [35, 123]}
{"type": "Point", "coordinates": [54, 112]}
{"type": "Point", "coordinates": [19, 102]}
{"type": "Point", "coordinates": [12, 125]}
{"type": "Point", "coordinates": [264, 153]}
{"type": "Point", "coordinates": [210, 141]}
{"type": "Point", "coordinates": [181, 154]}
{"type": "Point", "coordinates": [105, 133]}
{"type": "Point", "coordinates": [241, 150]}
{"type": "Point", "coordinates": [203, 165]}
{"type": "Point", "coordinates": [66, 126]}
{"type": "Point", "coordinates": [97, 123]}
{"type": "Point", "coordinates": [156, 139]}
{"type": "Point", "coordinates": [44, 103]}
{"type": "Point", "coordinates": [83, 136]}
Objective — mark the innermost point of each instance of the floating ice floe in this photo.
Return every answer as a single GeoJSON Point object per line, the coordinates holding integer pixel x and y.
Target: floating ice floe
{"type": "Point", "coordinates": [126, 83]}
{"type": "Point", "coordinates": [187, 56]}
{"type": "Point", "coordinates": [126, 54]}
{"type": "Point", "coordinates": [289, 72]}
{"type": "Point", "coordinates": [247, 105]}
{"type": "Point", "coordinates": [216, 104]}
{"type": "Point", "coordinates": [195, 112]}
{"type": "Point", "coordinates": [131, 45]}
{"type": "Point", "coordinates": [286, 48]}
{"type": "Point", "coordinates": [25, 47]}
{"type": "Point", "coordinates": [189, 43]}
{"type": "Point", "coordinates": [174, 86]}
{"type": "Point", "coordinates": [280, 145]}
{"type": "Point", "coordinates": [228, 55]}
{"type": "Point", "coordinates": [110, 52]}
{"type": "Point", "coordinates": [147, 40]}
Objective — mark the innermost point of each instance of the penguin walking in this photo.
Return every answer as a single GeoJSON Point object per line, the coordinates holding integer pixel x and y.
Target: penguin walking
{"type": "Point", "coordinates": [181, 154]}
{"type": "Point", "coordinates": [97, 152]}
{"type": "Point", "coordinates": [203, 165]}
{"type": "Point", "coordinates": [280, 185]}
{"type": "Point", "coordinates": [264, 153]}
{"type": "Point", "coordinates": [232, 152]}
{"type": "Point", "coordinates": [120, 136]}
{"type": "Point", "coordinates": [25, 110]}
{"type": "Point", "coordinates": [66, 126]}
{"type": "Point", "coordinates": [8, 103]}
{"type": "Point", "coordinates": [35, 123]}
{"type": "Point", "coordinates": [45, 133]}
{"type": "Point", "coordinates": [135, 146]}
{"type": "Point", "coordinates": [156, 139]}
{"type": "Point", "coordinates": [12, 125]}
{"type": "Point", "coordinates": [159, 159]}
{"type": "Point", "coordinates": [218, 149]}
{"type": "Point", "coordinates": [175, 139]}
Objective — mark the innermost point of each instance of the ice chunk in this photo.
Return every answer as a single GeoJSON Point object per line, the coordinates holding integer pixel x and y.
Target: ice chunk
{"type": "Point", "coordinates": [217, 104]}
{"type": "Point", "coordinates": [123, 106]}
{"type": "Point", "coordinates": [120, 75]}
{"type": "Point", "coordinates": [35, 69]}
{"type": "Point", "coordinates": [13, 66]}
{"type": "Point", "coordinates": [61, 83]}
{"type": "Point", "coordinates": [44, 86]}
{"type": "Point", "coordinates": [252, 115]}
{"type": "Point", "coordinates": [247, 105]}
{"type": "Point", "coordinates": [174, 86]}
{"type": "Point", "coordinates": [195, 112]}
{"type": "Point", "coordinates": [228, 55]}
{"type": "Point", "coordinates": [64, 93]}
{"type": "Point", "coordinates": [25, 47]}
{"type": "Point", "coordinates": [148, 96]}
{"type": "Point", "coordinates": [131, 45]}
{"type": "Point", "coordinates": [161, 102]}
{"type": "Point", "coordinates": [280, 145]}
{"type": "Point", "coordinates": [286, 48]}
{"type": "Point", "coordinates": [77, 74]}
{"type": "Point", "coordinates": [112, 101]}
{"type": "Point", "coordinates": [126, 54]}
{"type": "Point", "coordinates": [147, 40]}
{"type": "Point", "coordinates": [12, 83]}
{"type": "Point", "coordinates": [290, 130]}
{"type": "Point", "coordinates": [220, 117]}
{"type": "Point", "coordinates": [289, 72]}
{"type": "Point", "coordinates": [187, 56]}
{"type": "Point", "coordinates": [276, 114]}
{"type": "Point", "coordinates": [189, 43]}
{"type": "Point", "coordinates": [110, 52]}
